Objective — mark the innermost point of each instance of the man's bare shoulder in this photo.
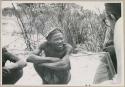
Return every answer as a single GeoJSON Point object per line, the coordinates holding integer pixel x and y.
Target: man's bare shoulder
{"type": "Point", "coordinates": [69, 47]}
{"type": "Point", "coordinates": [43, 45]}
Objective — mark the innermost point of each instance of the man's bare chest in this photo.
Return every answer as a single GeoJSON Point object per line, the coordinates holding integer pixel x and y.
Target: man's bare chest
{"type": "Point", "coordinates": [49, 52]}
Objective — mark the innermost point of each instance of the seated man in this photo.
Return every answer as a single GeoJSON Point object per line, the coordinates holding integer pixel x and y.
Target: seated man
{"type": "Point", "coordinates": [13, 72]}
{"type": "Point", "coordinates": [54, 68]}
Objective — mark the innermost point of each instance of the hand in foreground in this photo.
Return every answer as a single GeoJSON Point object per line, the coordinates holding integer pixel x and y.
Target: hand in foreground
{"type": "Point", "coordinates": [21, 64]}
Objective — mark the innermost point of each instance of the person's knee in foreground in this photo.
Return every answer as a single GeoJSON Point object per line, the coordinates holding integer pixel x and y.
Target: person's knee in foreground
{"type": "Point", "coordinates": [13, 72]}
{"type": "Point", "coordinates": [54, 68]}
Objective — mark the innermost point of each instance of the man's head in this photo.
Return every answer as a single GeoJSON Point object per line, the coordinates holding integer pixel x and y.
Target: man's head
{"type": "Point", "coordinates": [113, 13]}
{"type": "Point", "coordinates": [4, 50]}
{"type": "Point", "coordinates": [113, 10]}
{"type": "Point", "coordinates": [56, 38]}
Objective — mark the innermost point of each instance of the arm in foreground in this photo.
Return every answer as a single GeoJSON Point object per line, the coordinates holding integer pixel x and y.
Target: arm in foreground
{"type": "Point", "coordinates": [17, 62]}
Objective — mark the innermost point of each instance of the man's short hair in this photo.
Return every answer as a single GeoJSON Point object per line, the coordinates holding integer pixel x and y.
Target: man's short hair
{"type": "Point", "coordinates": [114, 8]}
{"type": "Point", "coordinates": [56, 30]}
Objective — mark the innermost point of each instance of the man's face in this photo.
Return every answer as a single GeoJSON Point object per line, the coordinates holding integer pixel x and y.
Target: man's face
{"type": "Point", "coordinates": [57, 40]}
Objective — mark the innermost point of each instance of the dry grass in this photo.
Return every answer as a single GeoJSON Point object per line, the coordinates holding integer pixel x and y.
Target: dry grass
{"type": "Point", "coordinates": [80, 26]}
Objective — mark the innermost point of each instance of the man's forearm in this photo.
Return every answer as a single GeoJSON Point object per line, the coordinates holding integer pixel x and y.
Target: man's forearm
{"type": "Point", "coordinates": [60, 65]}
{"type": "Point", "coordinates": [38, 59]}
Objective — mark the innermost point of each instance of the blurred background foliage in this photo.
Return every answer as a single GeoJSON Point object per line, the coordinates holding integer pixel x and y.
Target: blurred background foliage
{"type": "Point", "coordinates": [83, 28]}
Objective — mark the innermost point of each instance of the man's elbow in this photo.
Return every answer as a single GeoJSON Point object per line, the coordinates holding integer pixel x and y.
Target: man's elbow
{"type": "Point", "coordinates": [30, 58]}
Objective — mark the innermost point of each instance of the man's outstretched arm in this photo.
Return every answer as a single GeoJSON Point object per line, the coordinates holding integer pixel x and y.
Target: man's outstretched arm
{"type": "Point", "coordinates": [39, 59]}
{"type": "Point", "coordinates": [35, 58]}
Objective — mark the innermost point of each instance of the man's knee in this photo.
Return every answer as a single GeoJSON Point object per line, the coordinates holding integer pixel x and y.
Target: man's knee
{"type": "Point", "coordinates": [12, 77]}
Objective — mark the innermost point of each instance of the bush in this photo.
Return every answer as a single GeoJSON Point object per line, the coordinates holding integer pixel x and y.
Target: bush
{"type": "Point", "coordinates": [80, 26]}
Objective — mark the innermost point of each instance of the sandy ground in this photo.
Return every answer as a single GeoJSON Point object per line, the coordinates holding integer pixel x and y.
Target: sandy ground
{"type": "Point", "coordinates": [83, 66]}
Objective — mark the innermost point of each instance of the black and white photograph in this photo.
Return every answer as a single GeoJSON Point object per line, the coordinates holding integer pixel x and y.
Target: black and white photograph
{"type": "Point", "coordinates": [71, 43]}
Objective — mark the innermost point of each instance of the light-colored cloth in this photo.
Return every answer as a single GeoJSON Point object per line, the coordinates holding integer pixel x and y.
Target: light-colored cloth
{"type": "Point", "coordinates": [119, 47]}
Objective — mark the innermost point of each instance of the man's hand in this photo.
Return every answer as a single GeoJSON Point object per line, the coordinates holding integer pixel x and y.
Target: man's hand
{"type": "Point", "coordinates": [31, 58]}
{"type": "Point", "coordinates": [57, 65]}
